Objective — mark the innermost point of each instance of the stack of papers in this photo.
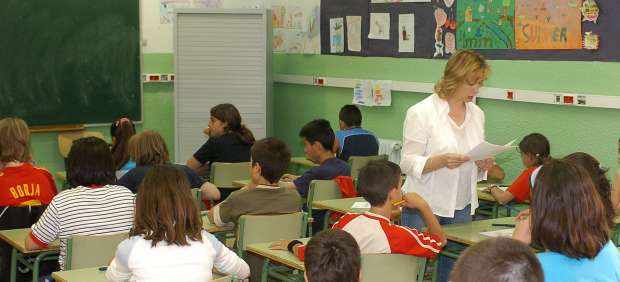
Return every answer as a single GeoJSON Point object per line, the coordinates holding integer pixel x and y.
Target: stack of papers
{"type": "Point", "coordinates": [486, 150]}
{"type": "Point", "coordinates": [361, 205]}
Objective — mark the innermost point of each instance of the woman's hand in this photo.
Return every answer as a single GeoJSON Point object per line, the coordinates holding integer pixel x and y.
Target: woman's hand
{"type": "Point", "coordinates": [486, 164]}
{"type": "Point", "coordinates": [522, 231]}
{"type": "Point", "coordinates": [453, 161]}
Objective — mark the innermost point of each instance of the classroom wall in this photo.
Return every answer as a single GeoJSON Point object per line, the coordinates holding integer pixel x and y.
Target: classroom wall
{"type": "Point", "coordinates": [569, 128]}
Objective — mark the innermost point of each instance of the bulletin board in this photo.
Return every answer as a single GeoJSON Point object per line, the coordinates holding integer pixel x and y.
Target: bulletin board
{"type": "Point", "coordinates": [498, 43]}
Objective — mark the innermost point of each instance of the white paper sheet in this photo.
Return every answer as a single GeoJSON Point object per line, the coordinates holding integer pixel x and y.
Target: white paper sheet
{"type": "Point", "coordinates": [354, 33]}
{"type": "Point", "coordinates": [483, 188]}
{"type": "Point", "coordinates": [361, 205]}
{"type": "Point", "coordinates": [373, 93]}
{"type": "Point", "coordinates": [486, 150]}
{"type": "Point", "coordinates": [336, 35]}
{"type": "Point", "coordinates": [499, 233]}
{"type": "Point", "coordinates": [406, 35]}
{"type": "Point", "coordinates": [379, 26]}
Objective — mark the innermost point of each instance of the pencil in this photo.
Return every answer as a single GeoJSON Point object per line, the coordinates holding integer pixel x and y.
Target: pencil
{"type": "Point", "coordinates": [398, 203]}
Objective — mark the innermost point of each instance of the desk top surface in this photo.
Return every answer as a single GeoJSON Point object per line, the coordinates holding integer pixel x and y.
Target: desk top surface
{"type": "Point", "coordinates": [340, 205]}
{"type": "Point", "coordinates": [280, 256]}
{"type": "Point", "coordinates": [17, 239]}
{"type": "Point", "coordinates": [469, 233]}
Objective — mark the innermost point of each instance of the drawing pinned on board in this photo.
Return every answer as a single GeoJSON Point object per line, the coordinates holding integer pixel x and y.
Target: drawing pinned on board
{"type": "Point", "coordinates": [540, 27]}
{"type": "Point", "coordinates": [590, 11]}
{"type": "Point", "coordinates": [277, 16]}
{"type": "Point", "coordinates": [379, 26]}
{"type": "Point", "coordinates": [373, 93]}
{"type": "Point", "coordinates": [450, 42]}
{"type": "Point", "coordinates": [295, 27]}
{"type": "Point", "coordinates": [485, 25]}
{"type": "Point", "coordinates": [336, 35]}
{"type": "Point", "coordinates": [362, 94]}
{"type": "Point", "coordinates": [406, 35]}
{"type": "Point", "coordinates": [591, 40]}
{"type": "Point", "coordinates": [440, 20]}
{"type": "Point", "coordinates": [354, 33]}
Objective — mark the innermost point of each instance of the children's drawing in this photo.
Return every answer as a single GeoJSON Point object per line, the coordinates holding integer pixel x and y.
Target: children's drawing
{"type": "Point", "coordinates": [485, 24]}
{"type": "Point", "coordinates": [336, 35]}
{"type": "Point", "coordinates": [379, 26]}
{"type": "Point", "coordinates": [548, 24]}
{"type": "Point", "coordinates": [406, 35]}
{"type": "Point", "coordinates": [354, 33]}
{"type": "Point", "coordinates": [590, 11]}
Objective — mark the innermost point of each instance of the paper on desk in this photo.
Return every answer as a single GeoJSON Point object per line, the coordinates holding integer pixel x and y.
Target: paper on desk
{"type": "Point", "coordinates": [361, 205]}
{"type": "Point", "coordinates": [486, 150]}
{"type": "Point", "coordinates": [499, 233]}
{"type": "Point", "coordinates": [483, 188]}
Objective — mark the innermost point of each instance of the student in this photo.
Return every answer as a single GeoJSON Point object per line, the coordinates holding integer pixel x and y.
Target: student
{"type": "Point", "coordinates": [569, 222]}
{"type": "Point", "coordinates": [148, 149]}
{"type": "Point", "coordinates": [270, 159]}
{"type": "Point", "coordinates": [167, 241]}
{"type": "Point", "coordinates": [229, 140]}
{"type": "Point", "coordinates": [21, 183]}
{"type": "Point", "coordinates": [379, 183]}
{"type": "Point", "coordinates": [352, 139]}
{"type": "Point", "coordinates": [93, 206]}
{"type": "Point", "coordinates": [498, 260]}
{"type": "Point", "coordinates": [597, 174]}
{"type": "Point", "coordinates": [121, 130]}
{"type": "Point", "coordinates": [318, 138]}
{"type": "Point", "coordinates": [534, 150]}
{"type": "Point", "coordinates": [332, 255]}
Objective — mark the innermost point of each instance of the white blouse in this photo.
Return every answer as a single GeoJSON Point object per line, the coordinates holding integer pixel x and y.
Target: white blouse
{"type": "Point", "coordinates": [428, 132]}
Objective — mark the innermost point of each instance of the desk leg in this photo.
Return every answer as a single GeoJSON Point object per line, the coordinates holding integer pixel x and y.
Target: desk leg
{"type": "Point", "coordinates": [265, 273]}
{"type": "Point", "coordinates": [43, 256]}
{"type": "Point", "coordinates": [13, 265]}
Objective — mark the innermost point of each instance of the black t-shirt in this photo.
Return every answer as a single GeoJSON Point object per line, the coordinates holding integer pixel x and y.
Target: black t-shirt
{"type": "Point", "coordinates": [228, 148]}
{"type": "Point", "coordinates": [133, 178]}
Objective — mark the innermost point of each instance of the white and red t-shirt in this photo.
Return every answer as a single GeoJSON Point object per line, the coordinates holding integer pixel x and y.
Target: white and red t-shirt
{"type": "Point", "coordinates": [376, 235]}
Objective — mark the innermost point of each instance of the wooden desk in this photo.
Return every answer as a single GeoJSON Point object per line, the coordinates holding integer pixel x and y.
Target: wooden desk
{"type": "Point", "coordinates": [212, 228]}
{"type": "Point", "coordinates": [279, 256]}
{"type": "Point", "coordinates": [16, 238]}
{"type": "Point", "coordinates": [340, 205]}
{"type": "Point", "coordinates": [241, 183]}
{"type": "Point", "coordinates": [469, 233]}
{"type": "Point", "coordinates": [92, 274]}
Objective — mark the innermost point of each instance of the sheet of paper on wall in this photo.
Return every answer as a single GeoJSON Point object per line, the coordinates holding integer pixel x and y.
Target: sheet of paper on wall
{"type": "Point", "coordinates": [397, 1]}
{"type": "Point", "coordinates": [485, 25]}
{"type": "Point", "coordinates": [406, 35]}
{"type": "Point", "coordinates": [295, 26]}
{"type": "Point", "coordinates": [354, 33]}
{"type": "Point", "coordinates": [336, 35]}
{"type": "Point", "coordinates": [379, 26]}
{"type": "Point", "coordinates": [548, 24]}
{"type": "Point", "coordinates": [362, 94]}
{"type": "Point", "coordinates": [166, 9]}
{"type": "Point", "coordinates": [373, 93]}
{"type": "Point", "coordinates": [486, 150]}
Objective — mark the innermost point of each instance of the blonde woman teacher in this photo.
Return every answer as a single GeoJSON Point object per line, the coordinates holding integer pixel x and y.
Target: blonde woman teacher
{"type": "Point", "coordinates": [437, 133]}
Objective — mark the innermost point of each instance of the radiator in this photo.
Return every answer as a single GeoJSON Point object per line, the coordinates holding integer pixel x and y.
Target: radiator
{"type": "Point", "coordinates": [391, 148]}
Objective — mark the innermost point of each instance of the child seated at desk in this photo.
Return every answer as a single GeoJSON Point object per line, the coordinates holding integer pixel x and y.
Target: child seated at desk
{"type": "Point", "coordinates": [270, 159]}
{"type": "Point", "coordinates": [379, 183]}
{"type": "Point", "coordinates": [21, 183]}
{"type": "Point", "coordinates": [568, 221]}
{"type": "Point", "coordinates": [352, 139]}
{"type": "Point", "coordinates": [498, 260]}
{"type": "Point", "coordinates": [121, 131]}
{"type": "Point", "coordinates": [332, 255]}
{"type": "Point", "coordinates": [93, 206]}
{"type": "Point", "coordinates": [148, 149]}
{"type": "Point", "coordinates": [534, 149]}
{"type": "Point", "coordinates": [167, 242]}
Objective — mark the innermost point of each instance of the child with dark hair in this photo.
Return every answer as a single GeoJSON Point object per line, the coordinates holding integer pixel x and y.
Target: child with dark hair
{"type": "Point", "coordinates": [21, 183]}
{"type": "Point", "coordinates": [167, 241]}
{"type": "Point", "coordinates": [534, 150]}
{"type": "Point", "coordinates": [352, 139]}
{"type": "Point", "coordinates": [93, 206]}
{"type": "Point", "coordinates": [569, 221]}
{"type": "Point", "coordinates": [121, 131]}
{"type": "Point", "coordinates": [318, 139]}
{"type": "Point", "coordinates": [379, 183]}
{"type": "Point", "coordinates": [270, 159]}
{"type": "Point", "coordinates": [498, 260]}
{"type": "Point", "coordinates": [332, 255]}
{"type": "Point", "coordinates": [229, 140]}
{"type": "Point", "coordinates": [597, 173]}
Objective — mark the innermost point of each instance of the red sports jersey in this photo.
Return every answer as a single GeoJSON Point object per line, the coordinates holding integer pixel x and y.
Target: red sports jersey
{"type": "Point", "coordinates": [522, 187]}
{"type": "Point", "coordinates": [26, 185]}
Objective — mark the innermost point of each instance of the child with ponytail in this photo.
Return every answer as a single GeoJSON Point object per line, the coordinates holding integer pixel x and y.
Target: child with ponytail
{"type": "Point", "coordinates": [121, 130]}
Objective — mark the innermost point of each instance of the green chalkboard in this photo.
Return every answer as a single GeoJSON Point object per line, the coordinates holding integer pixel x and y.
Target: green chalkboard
{"type": "Point", "coordinates": [70, 61]}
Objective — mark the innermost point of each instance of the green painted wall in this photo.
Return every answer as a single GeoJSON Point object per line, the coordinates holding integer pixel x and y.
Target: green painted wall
{"type": "Point", "coordinates": [569, 128]}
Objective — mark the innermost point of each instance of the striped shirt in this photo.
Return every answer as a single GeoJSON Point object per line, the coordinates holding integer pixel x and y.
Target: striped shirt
{"type": "Point", "coordinates": [84, 211]}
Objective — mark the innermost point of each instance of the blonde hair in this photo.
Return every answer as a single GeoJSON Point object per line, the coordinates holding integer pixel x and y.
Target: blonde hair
{"type": "Point", "coordinates": [148, 148]}
{"type": "Point", "coordinates": [14, 140]}
{"type": "Point", "coordinates": [464, 66]}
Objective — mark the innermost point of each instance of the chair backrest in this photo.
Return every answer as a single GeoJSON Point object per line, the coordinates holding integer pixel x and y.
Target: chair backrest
{"type": "Point", "coordinates": [91, 251]}
{"type": "Point", "coordinates": [359, 145]}
{"type": "Point", "coordinates": [267, 228]}
{"type": "Point", "coordinates": [323, 190]}
{"type": "Point", "coordinates": [393, 267]}
{"type": "Point", "coordinates": [356, 163]}
{"type": "Point", "coordinates": [197, 195]}
{"type": "Point", "coordinates": [223, 174]}
{"type": "Point", "coordinates": [65, 140]}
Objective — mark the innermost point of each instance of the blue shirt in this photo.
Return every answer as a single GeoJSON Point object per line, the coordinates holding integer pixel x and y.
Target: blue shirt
{"type": "Point", "coordinates": [604, 267]}
{"type": "Point", "coordinates": [363, 143]}
{"type": "Point", "coordinates": [327, 170]}
{"type": "Point", "coordinates": [128, 165]}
